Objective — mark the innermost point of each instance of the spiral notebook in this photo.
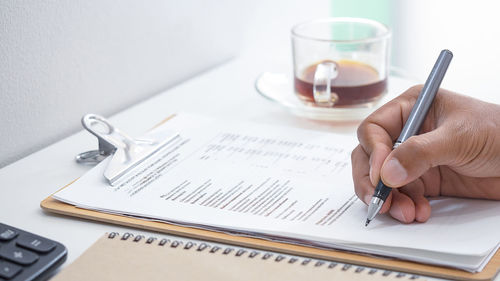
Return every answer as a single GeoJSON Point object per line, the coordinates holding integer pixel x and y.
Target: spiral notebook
{"type": "Point", "coordinates": [128, 257]}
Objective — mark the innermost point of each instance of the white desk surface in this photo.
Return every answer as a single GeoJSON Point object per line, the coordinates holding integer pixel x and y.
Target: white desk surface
{"type": "Point", "coordinates": [225, 91]}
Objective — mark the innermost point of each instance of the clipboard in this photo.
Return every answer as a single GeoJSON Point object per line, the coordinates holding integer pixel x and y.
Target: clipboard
{"type": "Point", "coordinates": [488, 273]}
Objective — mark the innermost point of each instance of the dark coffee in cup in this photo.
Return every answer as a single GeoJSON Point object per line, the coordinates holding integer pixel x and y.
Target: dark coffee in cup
{"type": "Point", "coordinates": [356, 83]}
{"type": "Point", "coordinates": [340, 62]}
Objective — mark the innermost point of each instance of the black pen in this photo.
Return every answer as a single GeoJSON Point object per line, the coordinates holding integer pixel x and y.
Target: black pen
{"type": "Point", "coordinates": [413, 124]}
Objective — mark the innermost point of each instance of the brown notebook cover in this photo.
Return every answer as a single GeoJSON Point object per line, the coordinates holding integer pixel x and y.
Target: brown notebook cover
{"type": "Point", "coordinates": [115, 257]}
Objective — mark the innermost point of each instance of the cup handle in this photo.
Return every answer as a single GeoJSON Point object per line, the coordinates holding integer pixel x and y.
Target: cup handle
{"type": "Point", "coordinates": [322, 91]}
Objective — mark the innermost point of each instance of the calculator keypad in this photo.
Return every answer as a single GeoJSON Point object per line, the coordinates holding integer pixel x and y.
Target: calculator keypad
{"type": "Point", "coordinates": [35, 243]}
{"type": "Point", "coordinates": [26, 256]}
{"type": "Point", "coordinates": [8, 270]}
{"type": "Point", "coordinates": [18, 255]}
{"type": "Point", "coordinates": [7, 233]}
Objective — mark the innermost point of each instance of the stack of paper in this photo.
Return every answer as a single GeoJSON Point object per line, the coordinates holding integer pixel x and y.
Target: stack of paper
{"type": "Point", "coordinates": [283, 184]}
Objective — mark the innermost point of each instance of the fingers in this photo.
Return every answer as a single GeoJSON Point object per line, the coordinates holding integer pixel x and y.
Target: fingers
{"type": "Point", "coordinates": [360, 173]}
{"type": "Point", "coordinates": [374, 159]}
{"type": "Point", "coordinates": [409, 204]}
{"type": "Point", "coordinates": [377, 132]}
{"type": "Point", "coordinates": [422, 208]}
{"type": "Point", "coordinates": [376, 135]}
{"type": "Point", "coordinates": [416, 156]}
{"type": "Point", "coordinates": [377, 158]}
{"type": "Point", "coordinates": [388, 120]}
{"type": "Point", "coordinates": [406, 204]}
{"type": "Point", "coordinates": [360, 167]}
{"type": "Point", "coordinates": [402, 207]}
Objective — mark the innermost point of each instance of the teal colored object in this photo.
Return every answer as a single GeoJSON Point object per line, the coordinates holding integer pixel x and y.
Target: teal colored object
{"type": "Point", "coordinates": [378, 10]}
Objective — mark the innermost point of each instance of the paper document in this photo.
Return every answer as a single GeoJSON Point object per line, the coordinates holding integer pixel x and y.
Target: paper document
{"type": "Point", "coordinates": [284, 184]}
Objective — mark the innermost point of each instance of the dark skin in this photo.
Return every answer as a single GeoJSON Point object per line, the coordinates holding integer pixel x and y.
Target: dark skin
{"type": "Point", "coordinates": [457, 153]}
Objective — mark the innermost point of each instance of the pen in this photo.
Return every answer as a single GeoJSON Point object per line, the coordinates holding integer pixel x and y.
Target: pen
{"type": "Point", "coordinates": [412, 126]}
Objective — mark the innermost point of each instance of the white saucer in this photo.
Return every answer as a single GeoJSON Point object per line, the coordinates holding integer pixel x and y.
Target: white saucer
{"type": "Point", "coordinates": [278, 88]}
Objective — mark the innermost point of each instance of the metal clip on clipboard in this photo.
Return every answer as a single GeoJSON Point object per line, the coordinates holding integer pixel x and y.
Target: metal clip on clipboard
{"type": "Point", "coordinates": [127, 153]}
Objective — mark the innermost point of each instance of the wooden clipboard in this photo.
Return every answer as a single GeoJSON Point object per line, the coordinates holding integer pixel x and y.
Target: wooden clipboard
{"type": "Point", "coordinates": [488, 273]}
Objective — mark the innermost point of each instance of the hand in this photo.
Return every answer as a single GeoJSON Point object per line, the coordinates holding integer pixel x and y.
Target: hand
{"type": "Point", "coordinates": [457, 153]}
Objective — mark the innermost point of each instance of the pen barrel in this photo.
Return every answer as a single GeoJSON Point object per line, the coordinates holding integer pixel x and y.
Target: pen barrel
{"type": "Point", "coordinates": [426, 96]}
{"type": "Point", "coordinates": [382, 191]}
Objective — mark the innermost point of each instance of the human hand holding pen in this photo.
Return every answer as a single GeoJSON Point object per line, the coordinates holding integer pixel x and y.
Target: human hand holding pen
{"type": "Point", "coordinates": [457, 153]}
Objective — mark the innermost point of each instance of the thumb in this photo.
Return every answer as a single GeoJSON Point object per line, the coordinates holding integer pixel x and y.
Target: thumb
{"type": "Point", "coordinates": [416, 155]}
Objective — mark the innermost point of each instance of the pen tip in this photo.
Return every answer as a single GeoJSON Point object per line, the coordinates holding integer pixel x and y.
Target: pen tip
{"type": "Point", "coordinates": [367, 222]}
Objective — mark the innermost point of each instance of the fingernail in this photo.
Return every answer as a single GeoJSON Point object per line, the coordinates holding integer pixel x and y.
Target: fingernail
{"type": "Point", "coordinates": [394, 173]}
{"type": "Point", "coordinates": [397, 213]}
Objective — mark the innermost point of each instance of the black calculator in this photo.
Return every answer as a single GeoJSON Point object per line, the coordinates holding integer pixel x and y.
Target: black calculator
{"type": "Point", "coordinates": [26, 256]}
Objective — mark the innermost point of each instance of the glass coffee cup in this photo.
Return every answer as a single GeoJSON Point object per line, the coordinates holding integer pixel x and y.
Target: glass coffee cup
{"type": "Point", "coordinates": [340, 62]}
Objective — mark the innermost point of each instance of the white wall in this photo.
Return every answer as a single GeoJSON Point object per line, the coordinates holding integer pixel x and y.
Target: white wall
{"type": "Point", "coordinates": [470, 29]}
{"type": "Point", "coordinates": [62, 59]}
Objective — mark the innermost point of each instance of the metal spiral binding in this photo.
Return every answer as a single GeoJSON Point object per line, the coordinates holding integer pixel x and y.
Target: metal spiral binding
{"type": "Point", "coordinates": [332, 265]}
{"type": "Point", "coordinates": [279, 258]}
{"type": "Point", "coordinates": [189, 245]}
{"type": "Point", "coordinates": [126, 236]}
{"type": "Point", "coordinates": [346, 267]}
{"type": "Point", "coordinates": [214, 249]}
{"type": "Point", "coordinates": [227, 251]}
{"type": "Point", "coordinates": [267, 256]}
{"type": "Point", "coordinates": [175, 244]}
{"type": "Point", "coordinates": [240, 252]}
{"type": "Point", "coordinates": [251, 254]}
{"type": "Point", "coordinates": [202, 247]}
